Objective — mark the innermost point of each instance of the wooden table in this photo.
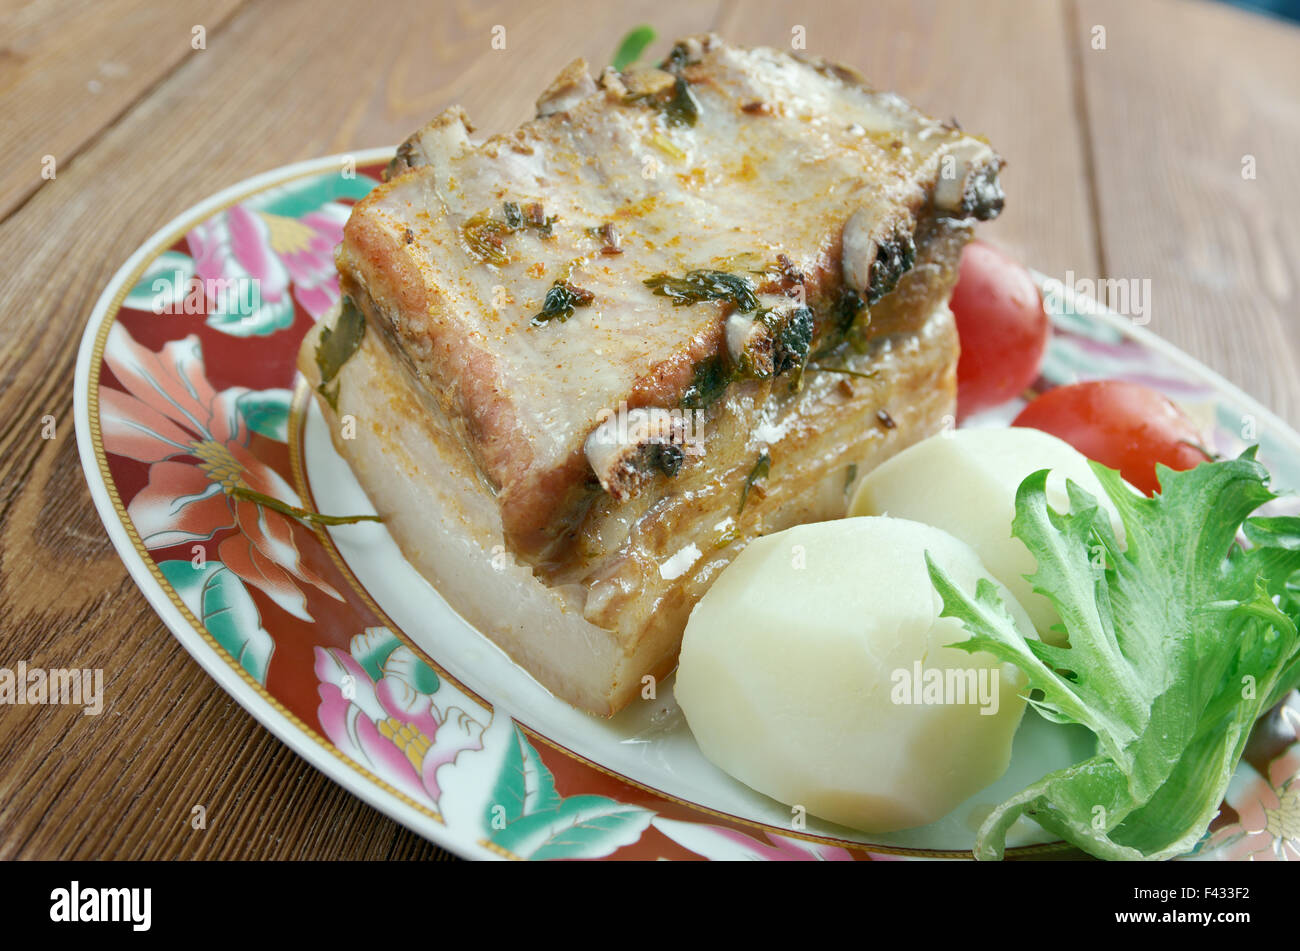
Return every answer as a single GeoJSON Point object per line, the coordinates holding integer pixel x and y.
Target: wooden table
{"type": "Point", "coordinates": [1126, 126]}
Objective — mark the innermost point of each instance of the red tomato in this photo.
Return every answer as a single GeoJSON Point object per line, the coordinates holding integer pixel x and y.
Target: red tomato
{"type": "Point", "coordinates": [1002, 326]}
{"type": "Point", "coordinates": [1124, 426]}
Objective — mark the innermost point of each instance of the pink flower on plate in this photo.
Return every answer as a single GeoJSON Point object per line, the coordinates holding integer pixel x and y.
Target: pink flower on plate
{"type": "Point", "coordinates": [1268, 808]}
{"type": "Point", "coordinates": [281, 257]}
{"type": "Point", "coordinates": [309, 257]}
{"type": "Point", "coordinates": [169, 410]}
{"type": "Point", "coordinates": [390, 723]}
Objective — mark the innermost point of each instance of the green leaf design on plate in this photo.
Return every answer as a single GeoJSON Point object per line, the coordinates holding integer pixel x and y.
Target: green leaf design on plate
{"type": "Point", "coordinates": [540, 824]}
{"type": "Point", "coordinates": [524, 784]}
{"type": "Point", "coordinates": [371, 650]}
{"type": "Point", "coordinates": [164, 284]}
{"type": "Point", "coordinates": [219, 599]}
{"type": "Point", "coordinates": [295, 199]}
{"type": "Point", "coordinates": [404, 665]}
{"type": "Point", "coordinates": [581, 827]}
{"type": "Point", "coordinates": [267, 412]}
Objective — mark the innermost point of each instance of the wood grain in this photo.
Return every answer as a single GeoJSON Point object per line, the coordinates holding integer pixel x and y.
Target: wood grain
{"type": "Point", "coordinates": [69, 68]}
{"type": "Point", "coordinates": [278, 83]}
{"type": "Point", "coordinates": [1178, 98]}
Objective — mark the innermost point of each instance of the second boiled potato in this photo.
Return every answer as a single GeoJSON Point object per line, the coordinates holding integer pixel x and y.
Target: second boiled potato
{"type": "Point", "coordinates": [965, 482]}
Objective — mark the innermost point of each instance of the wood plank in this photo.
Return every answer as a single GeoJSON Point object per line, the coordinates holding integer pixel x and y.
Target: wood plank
{"type": "Point", "coordinates": [279, 83]}
{"type": "Point", "coordinates": [69, 68]}
{"type": "Point", "coordinates": [1181, 94]}
{"type": "Point", "coordinates": [999, 66]}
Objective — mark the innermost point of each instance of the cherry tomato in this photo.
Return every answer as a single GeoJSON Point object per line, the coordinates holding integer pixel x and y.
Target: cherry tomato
{"type": "Point", "coordinates": [1124, 426]}
{"type": "Point", "coordinates": [1002, 326]}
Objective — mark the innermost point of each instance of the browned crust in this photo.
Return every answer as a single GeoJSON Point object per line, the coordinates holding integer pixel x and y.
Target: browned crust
{"type": "Point", "coordinates": [663, 384]}
{"type": "Point", "coordinates": [391, 282]}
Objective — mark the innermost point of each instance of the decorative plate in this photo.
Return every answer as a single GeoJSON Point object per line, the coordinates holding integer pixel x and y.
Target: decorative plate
{"type": "Point", "coordinates": [186, 389]}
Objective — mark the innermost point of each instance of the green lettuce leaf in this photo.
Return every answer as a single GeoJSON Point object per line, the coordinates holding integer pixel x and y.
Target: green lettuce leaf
{"type": "Point", "coordinates": [1179, 639]}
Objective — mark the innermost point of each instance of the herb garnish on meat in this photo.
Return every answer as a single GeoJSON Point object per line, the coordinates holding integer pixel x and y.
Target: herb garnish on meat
{"type": "Point", "coordinates": [762, 469]}
{"type": "Point", "coordinates": [485, 235]}
{"type": "Point", "coordinates": [608, 235]}
{"type": "Point", "coordinates": [866, 375]}
{"type": "Point", "coordinates": [337, 346]}
{"type": "Point", "coordinates": [791, 329]}
{"type": "Point", "coordinates": [703, 284]}
{"type": "Point", "coordinates": [681, 108]}
{"type": "Point", "coordinates": [538, 220]}
{"type": "Point", "coordinates": [709, 383]}
{"type": "Point", "coordinates": [514, 217]}
{"type": "Point", "coordinates": [849, 319]}
{"type": "Point", "coordinates": [675, 102]}
{"type": "Point", "coordinates": [793, 333]}
{"type": "Point", "coordinates": [894, 258]}
{"type": "Point", "coordinates": [669, 459]}
{"type": "Point", "coordinates": [678, 57]}
{"type": "Point", "coordinates": [560, 302]}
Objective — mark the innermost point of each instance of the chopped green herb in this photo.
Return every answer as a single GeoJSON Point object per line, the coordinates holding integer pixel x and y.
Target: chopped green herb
{"type": "Point", "coordinates": [846, 322]}
{"type": "Point", "coordinates": [560, 302]}
{"type": "Point", "coordinates": [762, 468]}
{"type": "Point", "coordinates": [983, 196]}
{"type": "Point", "coordinates": [845, 370]}
{"type": "Point", "coordinates": [485, 237]}
{"type": "Point", "coordinates": [793, 337]}
{"type": "Point", "coordinates": [336, 347]}
{"type": "Point", "coordinates": [676, 103]}
{"type": "Point", "coordinates": [669, 458]}
{"type": "Point", "coordinates": [401, 160]}
{"type": "Point", "coordinates": [632, 46]}
{"type": "Point", "coordinates": [708, 385]}
{"type": "Point", "coordinates": [536, 218]}
{"type": "Point", "coordinates": [703, 284]}
{"type": "Point", "coordinates": [678, 58]}
{"type": "Point", "coordinates": [683, 108]}
{"type": "Point", "coordinates": [847, 309]}
{"type": "Point", "coordinates": [894, 258]}
{"type": "Point", "coordinates": [609, 237]}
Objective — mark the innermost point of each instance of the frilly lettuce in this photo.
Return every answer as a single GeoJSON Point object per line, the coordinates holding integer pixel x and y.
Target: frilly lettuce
{"type": "Point", "coordinates": [1178, 641]}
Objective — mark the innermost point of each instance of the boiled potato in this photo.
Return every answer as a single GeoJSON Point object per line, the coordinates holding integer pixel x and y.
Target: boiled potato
{"type": "Point", "coordinates": [965, 482]}
{"type": "Point", "coordinates": [799, 675]}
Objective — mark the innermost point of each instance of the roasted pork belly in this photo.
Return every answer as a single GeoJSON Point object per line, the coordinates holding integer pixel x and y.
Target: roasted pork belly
{"type": "Point", "coordinates": [591, 359]}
